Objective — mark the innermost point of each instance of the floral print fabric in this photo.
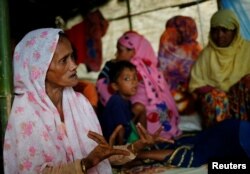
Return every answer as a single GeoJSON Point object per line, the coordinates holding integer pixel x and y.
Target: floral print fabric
{"type": "Point", "coordinates": [35, 136]}
{"type": "Point", "coordinates": [218, 105]}
{"type": "Point", "coordinates": [178, 50]}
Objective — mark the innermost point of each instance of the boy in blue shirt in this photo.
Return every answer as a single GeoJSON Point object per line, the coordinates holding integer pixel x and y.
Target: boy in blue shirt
{"type": "Point", "coordinates": [118, 110]}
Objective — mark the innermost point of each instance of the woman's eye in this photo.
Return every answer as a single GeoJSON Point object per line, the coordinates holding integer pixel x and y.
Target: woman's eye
{"type": "Point", "coordinates": [64, 60]}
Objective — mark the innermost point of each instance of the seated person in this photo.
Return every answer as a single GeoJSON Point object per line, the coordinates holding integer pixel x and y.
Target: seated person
{"type": "Point", "coordinates": [178, 50]}
{"type": "Point", "coordinates": [105, 91]}
{"type": "Point", "coordinates": [51, 128]}
{"type": "Point", "coordinates": [153, 98]}
{"type": "Point", "coordinates": [221, 75]}
{"type": "Point", "coordinates": [118, 110]}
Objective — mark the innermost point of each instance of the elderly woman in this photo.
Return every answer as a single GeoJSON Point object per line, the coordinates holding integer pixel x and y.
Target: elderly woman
{"type": "Point", "coordinates": [51, 128]}
{"type": "Point", "coordinates": [221, 75]}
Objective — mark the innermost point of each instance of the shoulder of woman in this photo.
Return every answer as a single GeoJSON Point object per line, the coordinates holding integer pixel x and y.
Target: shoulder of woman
{"type": "Point", "coordinates": [81, 97]}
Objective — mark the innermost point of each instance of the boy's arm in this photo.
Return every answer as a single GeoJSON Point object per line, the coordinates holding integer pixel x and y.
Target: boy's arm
{"type": "Point", "coordinates": [120, 136]}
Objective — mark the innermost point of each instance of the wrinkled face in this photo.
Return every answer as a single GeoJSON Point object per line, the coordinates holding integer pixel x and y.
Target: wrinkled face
{"type": "Point", "coordinates": [62, 69]}
{"type": "Point", "coordinates": [124, 53]}
{"type": "Point", "coordinates": [222, 37]}
{"type": "Point", "coordinates": [127, 83]}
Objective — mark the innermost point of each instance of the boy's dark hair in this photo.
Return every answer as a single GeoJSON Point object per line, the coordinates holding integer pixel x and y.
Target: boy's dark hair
{"type": "Point", "coordinates": [117, 69]}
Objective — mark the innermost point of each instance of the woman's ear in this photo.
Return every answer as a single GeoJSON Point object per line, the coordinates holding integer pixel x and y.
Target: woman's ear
{"type": "Point", "coordinates": [114, 86]}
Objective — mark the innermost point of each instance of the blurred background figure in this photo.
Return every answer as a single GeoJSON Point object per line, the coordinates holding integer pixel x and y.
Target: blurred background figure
{"type": "Point", "coordinates": [178, 50]}
{"type": "Point", "coordinates": [221, 75]}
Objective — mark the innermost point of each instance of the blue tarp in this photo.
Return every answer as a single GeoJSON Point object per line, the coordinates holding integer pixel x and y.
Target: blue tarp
{"type": "Point", "coordinates": [242, 9]}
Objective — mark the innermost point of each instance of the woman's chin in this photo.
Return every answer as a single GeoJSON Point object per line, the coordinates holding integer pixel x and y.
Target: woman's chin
{"type": "Point", "coordinates": [74, 82]}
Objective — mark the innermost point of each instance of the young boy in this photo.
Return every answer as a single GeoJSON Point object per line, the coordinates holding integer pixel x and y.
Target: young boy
{"type": "Point", "coordinates": [118, 110]}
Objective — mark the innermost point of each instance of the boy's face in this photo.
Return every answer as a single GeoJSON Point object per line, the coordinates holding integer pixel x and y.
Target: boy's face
{"type": "Point", "coordinates": [127, 83]}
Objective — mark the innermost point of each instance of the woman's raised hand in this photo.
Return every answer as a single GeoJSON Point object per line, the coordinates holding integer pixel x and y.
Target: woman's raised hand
{"type": "Point", "coordinates": [147, 139]}
{"type": "Point", "coordinates": [151, 139]}
{"type": "Point", "coordinates": [102, 151]}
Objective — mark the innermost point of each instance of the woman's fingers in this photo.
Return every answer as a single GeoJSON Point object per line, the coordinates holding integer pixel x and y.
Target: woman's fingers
{"type": "Point", "coordinates": [146, 137]}
{"type": "Point", "coordinates": [97, 137]}
{"type": "Point", "coordinates": [114, 134]}
{"type": "Point", "coordinates": [158, 138]}
{"type": "Point", "coordinates": [162, 139]}
{"type": "Point", "coordinates": [141, 131]}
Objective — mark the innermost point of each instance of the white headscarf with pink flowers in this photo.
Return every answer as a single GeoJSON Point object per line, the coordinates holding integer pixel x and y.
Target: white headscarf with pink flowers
{"type": "Point", "coordinates": [35, 136]}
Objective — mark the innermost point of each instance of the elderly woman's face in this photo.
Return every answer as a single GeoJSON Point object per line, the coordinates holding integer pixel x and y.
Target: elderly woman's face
{"type": "Point", "coordinates": [222, 37]}
{"type": "Point", "coordinates": [62, 69]}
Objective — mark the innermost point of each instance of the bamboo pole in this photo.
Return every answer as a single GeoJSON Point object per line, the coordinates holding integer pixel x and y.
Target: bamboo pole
{"type": "Point", "coordinates": [5, 70]}
{"type": "Point", "coordinates": [129, 15]}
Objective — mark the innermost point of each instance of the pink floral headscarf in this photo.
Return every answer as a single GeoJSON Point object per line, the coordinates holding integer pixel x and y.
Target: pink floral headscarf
{"type": "Point", "coordinates": [153, 89]}
{"type": "Point", "coordinates": [35, 136]}
{"type": "Point", "coordinates": [144, 59]}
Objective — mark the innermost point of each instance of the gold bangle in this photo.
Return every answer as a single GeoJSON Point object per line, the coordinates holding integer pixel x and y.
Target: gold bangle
{"type": "Point", "coordinates": [84, 170]}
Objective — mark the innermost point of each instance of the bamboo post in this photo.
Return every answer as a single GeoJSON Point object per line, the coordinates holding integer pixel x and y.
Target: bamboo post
{"type": "Point", "coordinates": [5, 70]}
{"type": "Point", "coordinates": [129, 15]}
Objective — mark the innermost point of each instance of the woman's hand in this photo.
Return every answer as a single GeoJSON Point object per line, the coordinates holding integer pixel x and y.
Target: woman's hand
{"type": "Point", "coordinates": [147, 139]}
{"type": "Point", "coordinates": [102, 151]}
{"type": "Point", "coordinates": [151, 139]}
{"type": "Point", "coordinates": [114, 135]}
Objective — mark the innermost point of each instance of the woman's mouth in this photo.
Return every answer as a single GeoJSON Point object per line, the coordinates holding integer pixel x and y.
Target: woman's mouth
{"type": "Point", "coordinates": [73, 75]}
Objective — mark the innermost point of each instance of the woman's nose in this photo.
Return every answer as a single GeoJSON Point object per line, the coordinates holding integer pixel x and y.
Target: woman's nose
{"type": "Point", "coordinates": [73, 64]}
{"type": "Point", "coordinates": [220, 33]}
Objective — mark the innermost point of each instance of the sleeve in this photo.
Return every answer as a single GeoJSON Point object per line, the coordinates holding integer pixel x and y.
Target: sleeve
{"type": "Point", "coordinates": [70, 168]}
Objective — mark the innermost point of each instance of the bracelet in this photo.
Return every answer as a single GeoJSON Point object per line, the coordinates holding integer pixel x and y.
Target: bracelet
{"type": "Point", "coordinates": [133, 149]}
{"type": "Point", "coordinates": [84, 170]}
